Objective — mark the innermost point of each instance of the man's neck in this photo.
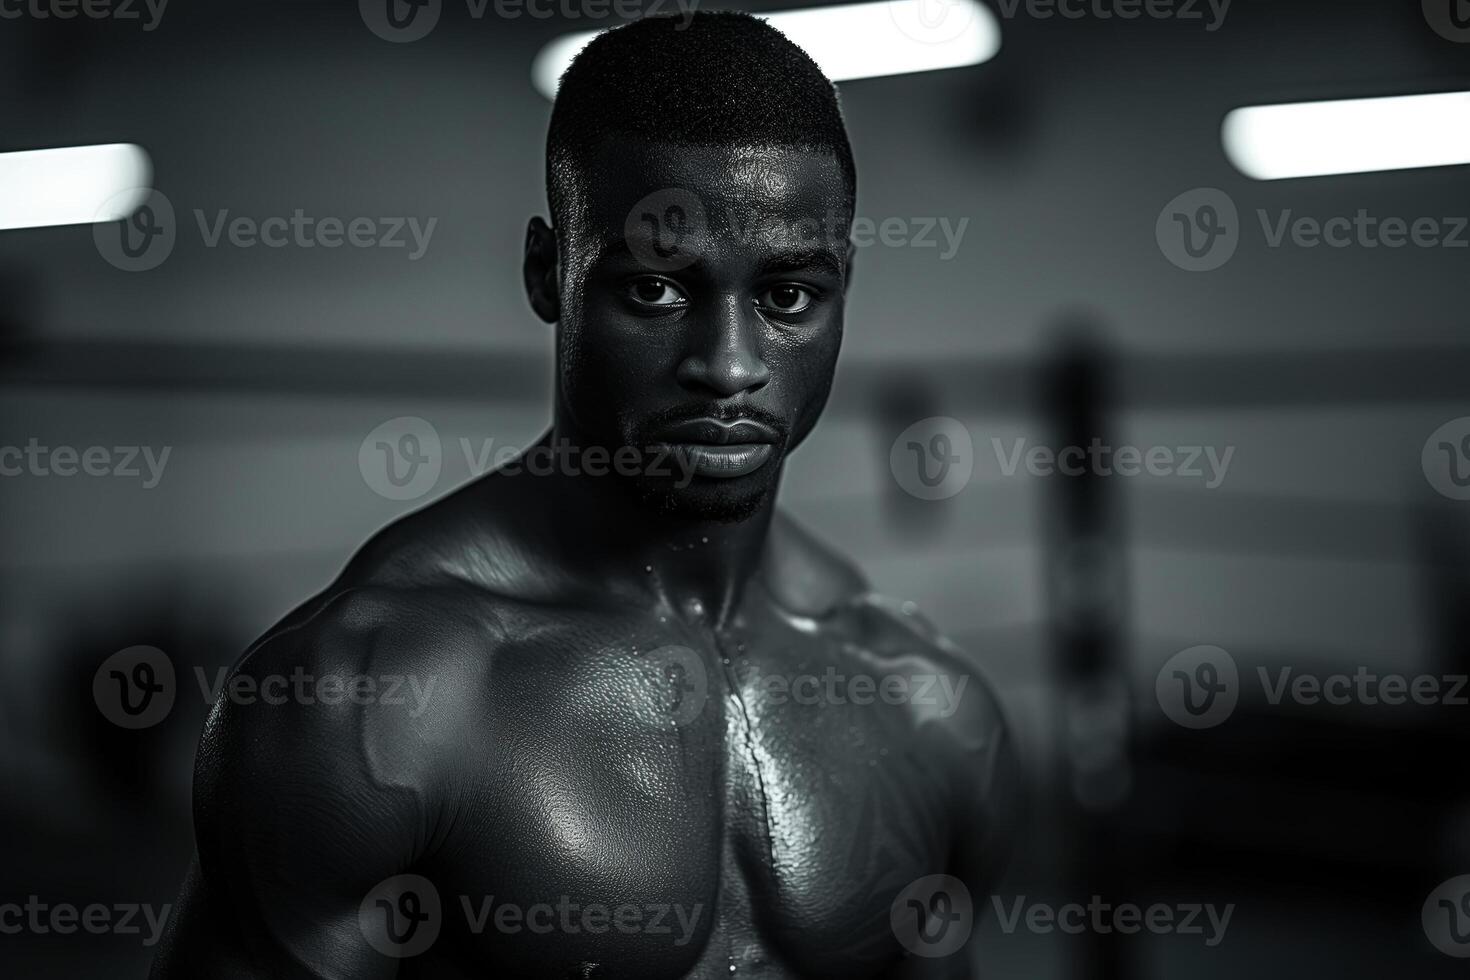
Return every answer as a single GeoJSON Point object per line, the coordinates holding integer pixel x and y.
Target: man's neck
{"type": "Point", "coordinates": [695, 568]}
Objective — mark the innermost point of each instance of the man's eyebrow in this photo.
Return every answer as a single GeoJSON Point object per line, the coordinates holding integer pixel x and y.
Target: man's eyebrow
{"type": "Point", "coordinates": [798, 259]}
{"type": "Point", "coordinates": [617, 248]}
{"type": "Point", "coordinates": [610, 248]}
{"type": "Point", "coordinates": [771, 263]}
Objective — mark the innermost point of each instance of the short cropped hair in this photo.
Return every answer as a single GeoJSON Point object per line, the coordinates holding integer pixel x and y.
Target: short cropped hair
{"type": "Point", "coordinates": [721, 78]}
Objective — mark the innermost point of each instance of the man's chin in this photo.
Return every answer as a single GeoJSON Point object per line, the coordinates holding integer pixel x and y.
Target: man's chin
{"type": "Point", "coordinates": [703, 498]}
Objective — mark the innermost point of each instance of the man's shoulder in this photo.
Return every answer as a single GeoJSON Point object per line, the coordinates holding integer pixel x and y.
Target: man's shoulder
{"type": "Point", "coordinates": [424, 585]}
{"type": "Point", "coordinates": [949, 694]}
{"type": "Point", "coordinates": [334, 742]}
{"type": "Point", "coordinates": [477, 543]}
{"type": "Point", "coordinates": [363, 685]}
{"type": "Point", "coordinates": [368, 625]}
{"type": "Point", "coordinates": [953, 708]}
{"type": "Point", "coordinates": [411, 629]}
{"type": "Point", "coordinates": [809, 577]}
{"type": "Point", "coordinates": [804, 574]}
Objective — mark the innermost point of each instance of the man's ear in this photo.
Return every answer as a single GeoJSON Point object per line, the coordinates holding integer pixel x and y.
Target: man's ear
{"type": "Point", "coordinates": [540, 271]}
{"type": "Point", "coordinates": [847, 273]}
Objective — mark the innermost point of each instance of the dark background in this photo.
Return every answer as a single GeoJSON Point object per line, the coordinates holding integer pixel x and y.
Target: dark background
{"type": "Point", "coordinates": [264, 369]}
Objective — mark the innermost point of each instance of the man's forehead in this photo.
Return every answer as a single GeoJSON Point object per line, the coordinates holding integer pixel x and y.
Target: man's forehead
{"type": "Point", "coordinates": [771, 203]}
{"type": "Point", "coordinates": [755, 179]}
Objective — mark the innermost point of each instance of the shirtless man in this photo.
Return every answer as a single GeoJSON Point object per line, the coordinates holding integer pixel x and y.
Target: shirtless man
{"type": "Point", "coordinates": [667, 732]}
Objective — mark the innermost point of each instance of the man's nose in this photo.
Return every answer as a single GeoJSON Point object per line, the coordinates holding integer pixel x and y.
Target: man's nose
{"type": "Point", "coordinates": [725, 357]}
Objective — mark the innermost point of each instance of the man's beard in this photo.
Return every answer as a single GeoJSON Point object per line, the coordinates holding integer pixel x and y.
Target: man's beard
{"type": "Point", "coordinates": [707, 498]}
{"type": "Point", "coordinates": [686, 495]}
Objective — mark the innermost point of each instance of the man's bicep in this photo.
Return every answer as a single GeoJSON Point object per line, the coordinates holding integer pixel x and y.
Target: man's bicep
{"type": "Point", "coordinates": [991, 797]}
{"type": "Point", "coordinates": [292, 833]}
{"type": "Point", "coordinates": [209, 938]}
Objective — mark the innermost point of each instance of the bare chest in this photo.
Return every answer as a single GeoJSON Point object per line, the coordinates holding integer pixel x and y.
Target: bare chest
{"type": "Point", "coordinates": [670, 802]}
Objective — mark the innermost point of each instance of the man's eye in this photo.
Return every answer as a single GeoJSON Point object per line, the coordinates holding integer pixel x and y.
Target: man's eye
{"type": "Point", "coordinates": [785, 298]}
{"type": "Point", "coordinates": [657, 292]}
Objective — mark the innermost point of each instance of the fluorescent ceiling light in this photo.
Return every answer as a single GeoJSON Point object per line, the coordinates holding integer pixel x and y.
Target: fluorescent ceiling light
{"type": "Point", "coordinates": [72, 185]}
{"type": "Point", "coordinates": [1308, 139]}
{"type": "Point", "coordinates": [856, 40]}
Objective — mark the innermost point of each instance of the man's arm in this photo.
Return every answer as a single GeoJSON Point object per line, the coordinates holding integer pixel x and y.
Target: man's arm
{"type": "Point", "coordinates": [986, 777]}
{"type": "Point", "coordinates": [297, 818]}
{"type": "Point", "coordinates": [986, 784]}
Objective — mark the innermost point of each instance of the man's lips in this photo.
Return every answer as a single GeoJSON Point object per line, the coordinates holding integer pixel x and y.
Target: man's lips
{"type": "Point", "coordinates": [713, 432]}
{"type": "Point", "coordinates": [719, 449]}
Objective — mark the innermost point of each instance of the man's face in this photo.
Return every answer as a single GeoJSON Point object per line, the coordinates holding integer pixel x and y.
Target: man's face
{"type": "Point", "coordinates": [701, 309]}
